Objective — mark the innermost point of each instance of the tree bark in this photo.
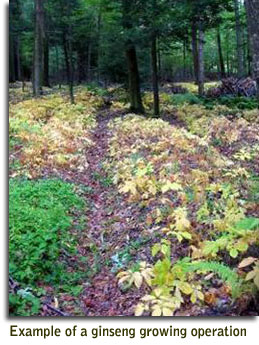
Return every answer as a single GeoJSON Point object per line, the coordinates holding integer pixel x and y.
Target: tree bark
{"type": "Point", "coordinates": [46, 62]}
{"type": "Point", "coordinates": [38, 48]}
{"type": "Point", "coordinates": [17, 59]}
{"type": "Point", "coordinates": [11, 59]}
{"type": "Point", "coordinates": [89, 58]}
{"type": "Point", "coordinates": [239, 41]}
{"type": "Point", "coordinates": [201, 61]}
{"type": "Point", "coordinates": [154, 60]}
{"type": "Point", "coordinates": [155, 74]}
{"type": "Point", "coordinates": [184, 60]}
{"type": "Point", "coordinates": [99, 26]}
{"type": "Point", "coordinates": [132, 62]}
{"type": "Point", "coordinates": [195, 50]}
{"type": "Point", "coordinates": [134, 83]}
{"type": "Point", "coordinates": [221, 58]}
{"type": "Point", "coordinates": [252, 9]}
{"type": "Point", "coordinates": [67, 45]}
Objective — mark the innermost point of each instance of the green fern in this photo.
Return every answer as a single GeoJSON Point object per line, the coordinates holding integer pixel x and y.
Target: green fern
{"type": "Point", "coordinates": [223, 271]}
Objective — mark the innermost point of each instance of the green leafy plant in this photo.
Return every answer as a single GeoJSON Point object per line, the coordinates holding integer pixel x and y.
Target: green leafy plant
{"type": "Point", "coordinates": [23, 304]}
{"type": "Point", "coordinates": [40, 218]}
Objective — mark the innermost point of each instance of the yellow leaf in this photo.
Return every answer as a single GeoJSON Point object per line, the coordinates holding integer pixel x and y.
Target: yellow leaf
{"type": "Point", "coordinates": [123, 279]}
{"type": "Point", "coordinates": [167, 312]}
{"type": "Point", "coordinates": [246, 262]}
{"type": "Point", "coordinates": [157, 311]}
{"type": "Point", "coordinates": [170, 186]}
{"type": "Point", "coordinates": [200, 295]}
{"type": "Point", "coordinates": [129, 187]}
{"type": "Point", "coordinates": [139, 309]}
{"type": "Point", "coordinates": [250, 275]}
{"type": "Point", "coordinates": [138, 279]}
{"type": "Point", "coordinates": [185, 288]}
{"type": "Point", "coordinates": [193, 298]}
{"type": "Point", "coordinates": [256, 280]}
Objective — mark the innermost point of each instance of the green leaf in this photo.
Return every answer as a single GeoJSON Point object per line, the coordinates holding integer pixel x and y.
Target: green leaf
{"type": "Point", "coordinates": [233, 253]}
{"type": "Point", "coordinates": [249, 223]}
{"type": "Point", "coordinates": [155, 249]}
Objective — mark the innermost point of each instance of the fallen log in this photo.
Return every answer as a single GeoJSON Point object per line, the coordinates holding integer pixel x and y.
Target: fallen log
{"type": "Point", "coordinates": [234, 87]}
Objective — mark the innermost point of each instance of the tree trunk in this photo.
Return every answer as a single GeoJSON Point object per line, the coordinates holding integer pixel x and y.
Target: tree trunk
{"type": "Point", "coordinates": [38, 48]}
{"type": "Point", "coordinates": [155, 74]}
{"type": "Point", "coordinates": [99, 25]}
{"type": "Point", "coordinates": [154, 60]}
{"type": "Point", "coordinates": [131, 56]}
{"type": "Point", "coordinates": [17, 59]}
{"type": "Point", "coordinates": [159, 60]}
{"type": "Point", "coordinates": [249, 58]}
{"type": "Point", "coordinates": [11, 59]}
{"type": "Point", "coordinates": [89, 58]}
{"type": "Point", "coordinates": [57, 67]}
{"type": "Point", "coordinates": [239, 41]}
{"type": "Point", "coordinates": [134, 83]}
{"type": "Point", "coordinates": [67, 44]}
{"type": "Point", "coordinates": [252, 9]}
{"type": "Point", "coordinates": [81, 65]}
{"type": "Point", "coordinates": [195, 50]}
{"type": "Point", "coordinates": [46, 63]}
{"type": "Point", "coordinates": [221, 58]}
{"type": "Point", "coordinates": [184, 60]}
{"type": "Point", "coordinates": [201, 61]}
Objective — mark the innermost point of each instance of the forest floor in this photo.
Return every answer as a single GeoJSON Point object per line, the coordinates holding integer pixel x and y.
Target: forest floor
{"type": "Point", "coordinates": [133, 176]}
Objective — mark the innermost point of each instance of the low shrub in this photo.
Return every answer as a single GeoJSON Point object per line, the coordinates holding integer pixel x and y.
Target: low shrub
{"type": "Point", "coordinates": [40, 218]}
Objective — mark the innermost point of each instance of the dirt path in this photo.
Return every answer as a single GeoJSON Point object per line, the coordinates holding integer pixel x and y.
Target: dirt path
{"type": "Point", "coordinates": [110, 226]}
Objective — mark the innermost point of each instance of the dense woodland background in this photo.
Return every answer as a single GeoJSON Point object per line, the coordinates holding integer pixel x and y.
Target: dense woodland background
{"type": "Point", "coordinates": [138, 43]}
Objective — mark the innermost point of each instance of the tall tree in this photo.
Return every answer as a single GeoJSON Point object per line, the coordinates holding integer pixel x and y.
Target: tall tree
{"type": "Point", "coordinates": [46, 52]}
{"type": "Point", "coordinates": [154, 59]}
{"type": "Point", "coordinates": [201, 43]}
{"type": "Point", "coordinates": [132, 62]}
{"type": "Point", "coordinates": [38, 48]}
{"type": "Point", "coordinates": [15, 28]}
{"type": "Point", "coordinates": [239, 41]}
{"type": "Point", "coordinates": [195, 49]}
{"type": "Point", "coordinates": [252, 9]}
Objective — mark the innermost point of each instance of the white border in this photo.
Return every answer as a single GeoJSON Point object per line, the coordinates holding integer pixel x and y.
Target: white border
{"type": "Point", "coordinates": [251, 324]}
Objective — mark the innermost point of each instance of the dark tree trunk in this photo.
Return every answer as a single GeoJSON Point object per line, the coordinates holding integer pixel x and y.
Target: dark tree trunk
{"type": "Point", "coordinates": [184, 60]}
{"type": "Point", "coordinates": [134, 83]}
{"type": "Point", "coordinates": [17, 59]}
{"type": "Point", "coordinates": [159, 60]}
{"type": "Point", "coordinates": [155, 75]}
{"type": "Point", "coordinates": [67, 44]}
{"type": "Point", "coordinates": [38, 48]}
{"type": "Point", "coordinates": [154, 61]}
{"type": "Point", "coordinates": [46, 63]}
{"type": "Point", "coordinates": [81, 65]}
{"type": "Point", "coordinates": [99, 26]}
{"type": "Point", "coordinates": [89, 59]}
{"type": "Point", "coordinates": [240, 62]}
{"type": "Point", "coordinates": [195, 50]}
{"type": "Point", "coordinates": [11, 60]}
{"type": "Point", "coordinates": [201, 61]}
{"type": "Point", "coordinates": [131, 56]}
{"type": "Point", "coordinates": [221, 58]}
{"type": "Point", "coordinates": [249, 58]}
{"type": "Point", "coordinates": [252, 9]}
{"type": "Point", "coordinates": [57, 67]}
